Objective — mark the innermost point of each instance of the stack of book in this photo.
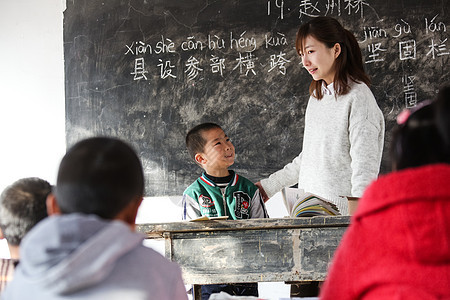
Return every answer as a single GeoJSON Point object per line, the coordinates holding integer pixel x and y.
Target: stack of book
{"type": "Point", "coordinates": [302, 204]}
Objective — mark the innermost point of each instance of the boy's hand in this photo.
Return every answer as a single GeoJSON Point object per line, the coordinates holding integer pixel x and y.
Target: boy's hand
{"type": "Point", "coordinates": [262, 191]}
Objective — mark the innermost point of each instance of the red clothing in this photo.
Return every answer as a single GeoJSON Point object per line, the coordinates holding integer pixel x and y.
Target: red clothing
{"type": "Point", "coordinates": [398, 244]}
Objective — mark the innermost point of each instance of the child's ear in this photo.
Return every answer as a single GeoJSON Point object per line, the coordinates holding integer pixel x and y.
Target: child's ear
{"type": "Point", "coordinates": [52, 205]}
{"type": "Point", "coordinates": [199, 158]}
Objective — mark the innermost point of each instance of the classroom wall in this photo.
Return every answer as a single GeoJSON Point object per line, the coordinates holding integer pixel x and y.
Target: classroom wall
{"type": "Point", "coordinates": [32, 93]}
{"type": "Point", "coordinates": [32, 118]}
{"type": "Point", "coordinates": [32, 115]}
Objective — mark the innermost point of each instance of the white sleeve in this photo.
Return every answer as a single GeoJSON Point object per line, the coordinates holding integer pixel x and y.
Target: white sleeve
{"type": "Point", "coordinates": [366, 135]}
{"type": "Point", "coordinates": [190, 207]}
{"type": "Point", "coordinates": [285, 177]}
{"type": "Point", "coordinates": [366, 149]}
{"type": "Point", "coordinates": [258, 208]}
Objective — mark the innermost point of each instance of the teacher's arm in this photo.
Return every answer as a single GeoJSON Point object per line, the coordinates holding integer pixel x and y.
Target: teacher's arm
{"type": "Point", "coordinates": [285, 177]}
{"type": "Point", "coordinates": [366, 149]}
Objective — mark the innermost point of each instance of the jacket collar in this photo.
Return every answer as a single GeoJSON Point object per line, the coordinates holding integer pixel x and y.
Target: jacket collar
{"type": "Point", "coordinates": [209, 182]}
{"type": "Point", "coordinates": [412, 184]}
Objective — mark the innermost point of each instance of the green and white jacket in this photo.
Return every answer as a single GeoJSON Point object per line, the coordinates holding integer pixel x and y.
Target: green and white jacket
{"type": "Point", "coordinates": [240, 199]}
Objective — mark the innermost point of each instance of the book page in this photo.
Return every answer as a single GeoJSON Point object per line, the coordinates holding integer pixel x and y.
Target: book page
{"type": "Point", "coordinates": [205, 218]}
{"type": "Point", "coordinates": [303, 204]}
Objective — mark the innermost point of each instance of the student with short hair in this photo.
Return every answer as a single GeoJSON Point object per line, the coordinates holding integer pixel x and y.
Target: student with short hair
{"type": "Point", "coordinates": [22, 206]}
{"type": "Point", "coordinates": [398, 243]}
{"type": "Point", "coordinates": [87, 248]}
{"type": "Point", "coordinates": [219, 191]}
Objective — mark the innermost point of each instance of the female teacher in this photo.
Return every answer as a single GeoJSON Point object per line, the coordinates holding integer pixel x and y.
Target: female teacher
{"type": "Point", "coordinates": [344, 127]}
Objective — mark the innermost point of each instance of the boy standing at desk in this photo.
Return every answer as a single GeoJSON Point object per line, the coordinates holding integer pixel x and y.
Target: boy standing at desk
{"type": "Point", "coordinates": [219, 191]}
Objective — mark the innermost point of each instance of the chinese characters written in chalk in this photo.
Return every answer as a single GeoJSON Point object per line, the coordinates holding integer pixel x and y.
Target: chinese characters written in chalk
{"type": "Point", "coordinates": [245, 61]}
{"type": "Point", "coordinates": [433, 46]}
{"type": "Point", "coordinates": [315, 8]}
{"type": "Point", "coordinates": [409, 92]}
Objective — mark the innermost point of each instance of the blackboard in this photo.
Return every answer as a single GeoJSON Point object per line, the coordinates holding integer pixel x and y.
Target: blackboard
{"type": "Point", "coordinates": [147, 71]}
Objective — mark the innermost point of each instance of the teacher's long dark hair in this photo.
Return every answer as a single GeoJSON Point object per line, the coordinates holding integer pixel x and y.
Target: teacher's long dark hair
{"type": "Point", "coordinates": [348, 65]}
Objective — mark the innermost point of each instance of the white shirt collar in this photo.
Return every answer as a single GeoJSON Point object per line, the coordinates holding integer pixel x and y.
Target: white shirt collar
{"type": "Point", "coordinates": [327, 89]}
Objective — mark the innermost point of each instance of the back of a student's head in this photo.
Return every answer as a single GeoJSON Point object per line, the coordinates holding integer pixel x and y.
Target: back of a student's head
{"type": "Point", "coordinates": [421, 139]}
{"type": "Point", "coordinates": [22, 205]}
{"type": "Point", "coordinates": [195, 141]}
{"type": "Point", "coordinates": [99, 176]}
{"type": "Point", "coordinates": [443, 115]}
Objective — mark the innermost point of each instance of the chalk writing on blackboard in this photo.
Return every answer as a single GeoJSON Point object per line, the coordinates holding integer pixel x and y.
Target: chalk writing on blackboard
{"type": "Point", "coordinates": [432, 26]}
{"type": "Point", "coordinates": [278, 5]}
{"type": "Point", "coordinates": [376, 39]}
{"type": "Point", "coordinates": [409, 92]}
{"type": "Point", "coordinates": [312, 9]}
{"type": "Point", "coordinates": [248, 44]}
{"type": "Point", "coordinates": [138, 48]}
{"type": "Point", "coordinates": [402, 28]}
{"type": "Point", "coordinates": [139, 69]}
{"type": "Point", "coordinates": [156, 68]}
{"type": "Point", "coordinates": [217, 64]}
{"type": "Point", "coordinates": [192, 44]}
{"type": "Point", "coordinates": [192, 68]}
{"type": "Point", "coordinates": [246, 64]}
{"type": "Point", "coordinates": [166, 69]}
{"type": "Point", "coordinates": [274, 41]}
{"type": "Point", "coordinates": [215, 42]}
{"type": "Point", "coordinates": [407, 49]}
{"type": "Point", "coordinates": [438, 48]}
{"type": "Point", "coordinates": [278, 61]}
{"type": "Point", "coordinates": [373, 32]}
{"type": "Point", "coordinates": [375, 50]}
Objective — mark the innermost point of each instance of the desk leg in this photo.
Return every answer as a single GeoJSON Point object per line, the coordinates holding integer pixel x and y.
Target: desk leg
{"type": "Point", "coordinates": [305, 289]}
{"type": "Point", "coordinates": [168, 245]}
{"type": "Point", "coordinates": [197, 291]}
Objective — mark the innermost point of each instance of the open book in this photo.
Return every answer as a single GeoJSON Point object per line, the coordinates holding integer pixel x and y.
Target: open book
{"type": "Point", "coordinates": [205, 218]}
{"type": "Point", "coordinates": [302, 204]}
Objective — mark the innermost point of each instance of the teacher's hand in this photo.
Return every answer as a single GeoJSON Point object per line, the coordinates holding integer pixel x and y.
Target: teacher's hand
{"type": "Point", "coordinates": [262, 191]}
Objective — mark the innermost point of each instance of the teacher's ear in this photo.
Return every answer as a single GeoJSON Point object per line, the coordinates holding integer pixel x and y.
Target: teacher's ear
{"type": "Point", "coordinates": [337, 50]}
{"type": "Point", "coordinates": [52, 205]}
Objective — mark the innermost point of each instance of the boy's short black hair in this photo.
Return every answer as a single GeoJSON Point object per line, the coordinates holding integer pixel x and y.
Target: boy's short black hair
{"type": "Point", "coordinates": [23, 205]}
{"type": "Point", "coordinates": [99, 176]}
{"type": "Point", "coordinates": [195, 142]}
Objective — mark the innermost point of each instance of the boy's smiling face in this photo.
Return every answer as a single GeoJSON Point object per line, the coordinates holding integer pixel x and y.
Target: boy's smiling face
{"type": "Point", "coordinates": [218, 153]}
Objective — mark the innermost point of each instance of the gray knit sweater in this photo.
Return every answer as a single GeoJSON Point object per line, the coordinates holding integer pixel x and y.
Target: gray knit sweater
{"type": "Point", "coordinates": [342, 147]}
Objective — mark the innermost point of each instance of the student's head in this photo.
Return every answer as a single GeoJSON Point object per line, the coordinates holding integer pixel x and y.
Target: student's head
{"type": "Point", "coordinates": [421, 136]}
{"type": "Point", "coordinates": [210, 147]}
{"type": "Point", "coordinates": [330, 53]}
{"type": "Point", "coordinates": [100, 176]}
{"type": "Point", "coordinates": [22, 205]}
{"type": "Point", "coordinates": [443, 115]}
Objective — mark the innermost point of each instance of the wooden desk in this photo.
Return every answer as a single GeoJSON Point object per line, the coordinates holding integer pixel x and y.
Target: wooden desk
{"type": "Point", "coordinates": [256, 250]}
